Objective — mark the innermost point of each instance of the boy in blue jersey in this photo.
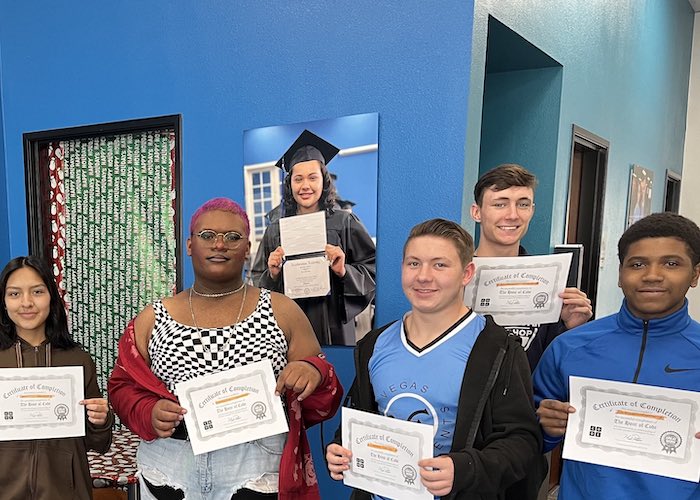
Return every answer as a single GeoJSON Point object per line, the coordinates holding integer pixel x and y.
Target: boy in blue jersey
{"type": "Point", "coordinates": [448, 367]}
{"type": "Point", "coordinates": [652, 340]}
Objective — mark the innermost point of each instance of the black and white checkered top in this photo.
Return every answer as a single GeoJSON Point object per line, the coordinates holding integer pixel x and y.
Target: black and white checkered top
{"type": "Point", "coordinates": [181, 352]}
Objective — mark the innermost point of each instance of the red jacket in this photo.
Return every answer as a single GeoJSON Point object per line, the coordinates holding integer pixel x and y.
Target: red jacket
{"type": "Point", "coordinates": [134, 390]}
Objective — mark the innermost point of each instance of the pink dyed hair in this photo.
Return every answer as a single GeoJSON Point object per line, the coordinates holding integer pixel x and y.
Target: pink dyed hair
{"type": "Point", "coordinates": [223, 204]}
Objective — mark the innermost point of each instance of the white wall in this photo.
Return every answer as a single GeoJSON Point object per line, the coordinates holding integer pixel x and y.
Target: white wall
{"type": "Point", "coordinates": [690, 206]}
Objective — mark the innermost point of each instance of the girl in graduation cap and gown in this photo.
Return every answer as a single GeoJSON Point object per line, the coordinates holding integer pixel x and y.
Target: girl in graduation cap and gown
{"type": "Point", "coordinates": [308, 188]}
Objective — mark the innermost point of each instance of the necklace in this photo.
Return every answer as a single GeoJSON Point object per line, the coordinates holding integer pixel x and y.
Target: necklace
{"type": "Point", "coordinates": [238, 318]}
{"type": "Point", "coordinates": [216, 295]}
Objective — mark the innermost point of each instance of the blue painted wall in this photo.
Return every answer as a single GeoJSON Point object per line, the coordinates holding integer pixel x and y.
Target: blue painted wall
{"type": "Point", "coordinates": [233, 66]}
{"type": "Point", "coordinates": [4, 229]}
{"type": "Point", "coordinates": [625, 78]}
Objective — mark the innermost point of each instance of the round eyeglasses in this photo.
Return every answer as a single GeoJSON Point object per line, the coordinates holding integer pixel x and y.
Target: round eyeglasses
{"type": "Point", "coordinates": [210, 236]}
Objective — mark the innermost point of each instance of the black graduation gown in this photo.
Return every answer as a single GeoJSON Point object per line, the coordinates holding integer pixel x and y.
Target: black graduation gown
{"type": "Point", "coordinates": [331, 316]}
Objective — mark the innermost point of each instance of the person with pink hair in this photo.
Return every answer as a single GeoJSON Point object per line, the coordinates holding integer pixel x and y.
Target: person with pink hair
{"type": "Point", "coordinates": [217, 324]}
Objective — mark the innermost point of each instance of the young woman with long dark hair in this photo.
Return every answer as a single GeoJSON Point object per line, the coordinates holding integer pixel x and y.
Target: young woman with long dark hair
{"type": "Point", "coordinates": [34, 333]}
{"type": "Point", "coordinates": [309, 188]}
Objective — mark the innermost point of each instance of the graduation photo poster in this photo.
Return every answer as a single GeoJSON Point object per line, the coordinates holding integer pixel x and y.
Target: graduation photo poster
{"type": "Point", "coordinates": [348, 146]}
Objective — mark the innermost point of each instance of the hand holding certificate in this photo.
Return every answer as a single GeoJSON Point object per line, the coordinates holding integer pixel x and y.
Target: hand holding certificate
{"type": "Point", "coordinates": [385, 454]}
{"type": "Point", "coordinates": [634, 427]}
{"type": "Point", "coordinates": [519, 290]}
{"type": "Point", "coordinates": [232, 407]}
{"type": "Point", "coordinates": [41, 403]}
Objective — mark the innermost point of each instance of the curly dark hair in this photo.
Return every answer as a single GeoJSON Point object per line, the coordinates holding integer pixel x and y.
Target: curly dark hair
{"type": "Point", "coordinates": [503, 177]}
{"type": "Point", "coordinates": [662, 225]}
{"type": "Point", "coordinates": [56, 323]}
{"type": "Point", "coordinates": [326, 201]}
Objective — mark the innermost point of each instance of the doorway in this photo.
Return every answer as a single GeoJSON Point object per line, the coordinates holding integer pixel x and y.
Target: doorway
{"type": "Point", "coordinates": [520, 119]}
{"type": "Point", "coordinates": [672, 192]}
{"type": "Point", "coordinates": [104, 205]}
{"type": "Point", "coordinates": [589, 159]}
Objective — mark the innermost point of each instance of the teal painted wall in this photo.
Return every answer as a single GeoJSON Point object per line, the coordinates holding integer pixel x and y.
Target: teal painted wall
{"type": "Point", "coordinates": [625, 78]}
{"type": "Point", "coordinates": [521, 125]}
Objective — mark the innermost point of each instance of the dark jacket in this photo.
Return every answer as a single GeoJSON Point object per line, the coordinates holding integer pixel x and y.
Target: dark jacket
{"type": "Point", "coordinates": [48, 469]}
{"type": "Point", "coordinates": [535, 338]}
{"type": "Point", "coordinates": [497, 435]}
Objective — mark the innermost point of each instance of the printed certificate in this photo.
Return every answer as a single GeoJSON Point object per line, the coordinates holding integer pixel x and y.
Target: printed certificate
{"type": "Point", "coordinates": [385, 454]}
{"type": "Point", "coordinates": [306, 277]}
{"type": "Point", "coordinates": [232, 407]}
{"type": "Point", "coordinates": [519, 290]}
{"type": "Point", "coordinates": [635, 427]}
{"type": "Point", "coordinates": [41, 403]}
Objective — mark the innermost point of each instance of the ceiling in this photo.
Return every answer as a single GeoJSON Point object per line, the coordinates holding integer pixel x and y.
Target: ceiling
{"type": "Point", "coordinates": [695, 4]}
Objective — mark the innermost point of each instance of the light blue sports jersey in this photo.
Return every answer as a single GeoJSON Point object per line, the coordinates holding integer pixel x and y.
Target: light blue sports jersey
{"type": "Point", "coordinates": [423, 385]}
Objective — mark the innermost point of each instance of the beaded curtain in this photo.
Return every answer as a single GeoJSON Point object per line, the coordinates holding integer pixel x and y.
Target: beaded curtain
{"type": "Point", "coordinates": [113, 238]}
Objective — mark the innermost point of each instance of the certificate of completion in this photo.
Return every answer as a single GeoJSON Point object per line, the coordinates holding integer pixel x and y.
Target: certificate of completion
{"type": "Point", "coordinates": [519, 290]}
{"type": "Point", "coordinates": [635, 427]}
{"type": "Point", "coordinates": [232, 407]}
{"type": "Point", "coordinates": [41, 403]}
{"type": "Point", "coordinates": [385, 454]}
{"type": "Point", "coordinates": [306, 272]}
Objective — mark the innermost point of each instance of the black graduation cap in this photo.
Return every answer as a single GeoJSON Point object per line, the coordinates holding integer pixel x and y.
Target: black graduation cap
{"type": "Point", "coordinates": [308, 146]}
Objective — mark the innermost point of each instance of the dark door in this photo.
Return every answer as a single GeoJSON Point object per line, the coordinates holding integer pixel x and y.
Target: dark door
{"type": "Point", "coordinates": [589, 158]}
{"type": "Point", "coordinates": [672, 192]}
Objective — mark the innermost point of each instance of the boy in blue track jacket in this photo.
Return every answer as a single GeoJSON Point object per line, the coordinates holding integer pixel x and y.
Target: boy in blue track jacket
{"type": "Point", "coordinates": [652, 340]}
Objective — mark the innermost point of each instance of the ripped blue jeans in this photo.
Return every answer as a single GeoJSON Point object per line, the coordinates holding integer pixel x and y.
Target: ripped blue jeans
{"type": "Point", "coordinates": [211, 476]}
